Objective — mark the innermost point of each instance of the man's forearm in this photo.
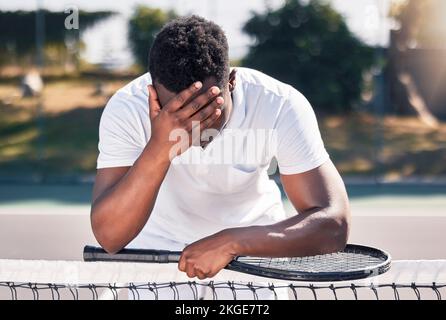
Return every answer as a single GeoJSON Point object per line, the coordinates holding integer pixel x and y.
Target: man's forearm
{"type": "Point", "coordinates": [119, 214]}
{"type": "Point", "coordinates": [317, 231]}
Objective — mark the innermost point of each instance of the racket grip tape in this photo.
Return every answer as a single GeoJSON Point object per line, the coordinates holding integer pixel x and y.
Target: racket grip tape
{"type": "Point", "coordinates": [131, 255]}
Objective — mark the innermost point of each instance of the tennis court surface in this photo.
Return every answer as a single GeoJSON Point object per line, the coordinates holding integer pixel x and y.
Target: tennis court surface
{"type": "Point", "coordinates": [54, 280]}
{"type": "Point", "coordinates": [410, 226]}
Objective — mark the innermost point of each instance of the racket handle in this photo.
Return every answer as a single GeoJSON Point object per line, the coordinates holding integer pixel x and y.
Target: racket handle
{"type": "Point", "coordinates": [131, 255]}
{"type": "Point", "coordinates": [174, 256]}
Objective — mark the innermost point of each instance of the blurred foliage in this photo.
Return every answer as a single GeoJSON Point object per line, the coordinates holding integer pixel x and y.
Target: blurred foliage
{"type": "Point", "coordinates": [18, 35]}
{"type": "Point", "coordinates": [143, 27]}
{"type": "Point", "coordinates": [422, 22]}
{"type": "Point", "coordinates": [72, 114]}
{"type": "Point", "coordinates": [310, 47]}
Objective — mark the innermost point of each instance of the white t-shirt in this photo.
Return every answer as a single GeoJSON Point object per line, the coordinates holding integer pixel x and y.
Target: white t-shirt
{"type": "Point", "coordinates": [226, 184]}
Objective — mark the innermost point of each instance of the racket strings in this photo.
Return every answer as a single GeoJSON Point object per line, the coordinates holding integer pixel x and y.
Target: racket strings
{"type": "Point", "coordinates": [344, 261]}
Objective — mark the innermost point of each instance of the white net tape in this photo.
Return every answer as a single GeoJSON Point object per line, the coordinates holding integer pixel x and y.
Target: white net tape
{"type": "Point", "coordinates": [38, 279]}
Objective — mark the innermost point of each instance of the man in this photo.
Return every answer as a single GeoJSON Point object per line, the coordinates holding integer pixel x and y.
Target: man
{"type": "Point", "coordinates": [160, 185]}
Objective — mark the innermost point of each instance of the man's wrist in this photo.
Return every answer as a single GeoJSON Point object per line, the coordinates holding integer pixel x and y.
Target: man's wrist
{"type": "Point", "coordinates": [157, 153]}
{"type": "Point", "coordinates": [240, 240]}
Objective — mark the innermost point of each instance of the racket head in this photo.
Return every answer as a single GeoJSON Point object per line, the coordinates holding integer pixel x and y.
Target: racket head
{"type": "Point", "coordinates": [352, 263]}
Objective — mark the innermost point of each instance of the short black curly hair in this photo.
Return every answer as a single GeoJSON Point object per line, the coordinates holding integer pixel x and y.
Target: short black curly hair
{"type": "Point", "coordinates": [189, 49]}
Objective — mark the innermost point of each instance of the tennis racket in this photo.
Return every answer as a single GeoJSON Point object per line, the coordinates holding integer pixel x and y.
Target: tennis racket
{"type": "Point", "coordinates": [354, 262]}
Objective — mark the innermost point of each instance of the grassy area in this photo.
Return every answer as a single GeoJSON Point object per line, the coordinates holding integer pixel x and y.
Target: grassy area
{"type": "Point", "coordinates": [393, 147]}
{"type": "Point", "coordinates": [64, 141]}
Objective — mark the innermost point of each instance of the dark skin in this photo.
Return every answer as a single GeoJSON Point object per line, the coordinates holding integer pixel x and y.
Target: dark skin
{"type": "Point", "coordinates": [123, 198]}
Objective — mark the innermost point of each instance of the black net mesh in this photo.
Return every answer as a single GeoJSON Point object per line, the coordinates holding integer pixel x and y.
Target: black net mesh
{"type": "Point", "coordinates": [193, 290]}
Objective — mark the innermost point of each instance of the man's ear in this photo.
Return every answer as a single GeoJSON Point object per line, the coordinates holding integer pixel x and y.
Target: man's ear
{"type": "Point", "coordinates": [232, 81]}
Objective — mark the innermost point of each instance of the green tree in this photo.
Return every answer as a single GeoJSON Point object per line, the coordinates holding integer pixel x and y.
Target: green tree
{"type": "Point", "coordinates": [17, 38]}
{"type": "Point", "coordinates": [143, 26]}
{"type": "Point", "coordinates": [310, 47]}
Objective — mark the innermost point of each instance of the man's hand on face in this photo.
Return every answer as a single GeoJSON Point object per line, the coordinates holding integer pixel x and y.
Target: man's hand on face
{"type": "Point", "coordinates": [173, 123]}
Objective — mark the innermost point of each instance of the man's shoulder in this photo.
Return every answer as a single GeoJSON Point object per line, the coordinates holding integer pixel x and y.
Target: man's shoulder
{"type": "Point", "coordinates": [134, 91]}
{"type": "Point", "coordinates": [134, 95]}
{"type": "Point", "coordinates": [267, 92]}
{"type": "Point", "coordinates": [137, 86]}
{"type": "Point", "coordinates": [255, 81]}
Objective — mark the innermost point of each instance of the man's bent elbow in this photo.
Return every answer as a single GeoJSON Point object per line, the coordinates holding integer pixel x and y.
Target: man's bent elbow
{"type": "Point", "coordinates": [104, 236]}
{"type": "Point", "coordinates": [338, 231]}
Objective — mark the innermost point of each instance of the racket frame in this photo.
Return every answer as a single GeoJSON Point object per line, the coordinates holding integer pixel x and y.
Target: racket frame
{"type": "Point", "coordinates": [163, 256]}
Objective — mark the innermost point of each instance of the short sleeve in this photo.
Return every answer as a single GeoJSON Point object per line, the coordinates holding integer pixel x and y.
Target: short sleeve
{"type": "Point", "coordinates": [122, 135]}
{"type": "Point", "coordinates": [299, 144]}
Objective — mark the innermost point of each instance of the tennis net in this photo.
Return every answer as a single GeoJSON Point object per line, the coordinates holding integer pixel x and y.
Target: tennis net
{"type": "Point", "coordinates": [59, 280]}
